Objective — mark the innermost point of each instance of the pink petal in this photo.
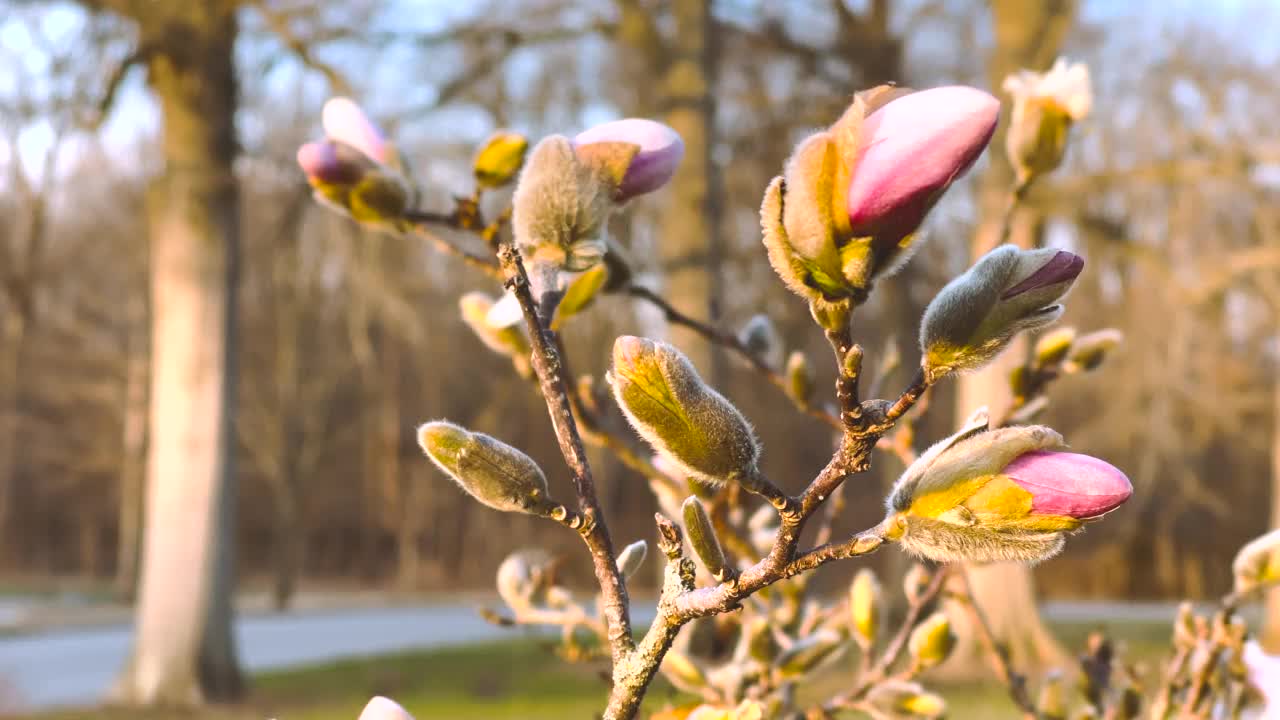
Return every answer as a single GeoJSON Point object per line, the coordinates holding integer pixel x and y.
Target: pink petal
{"type": "Point", "coordinates": [332, 162]}
{"type": "Point", "coordinates": [913, 148]}
{"type": "Point", "coordinates": [1062, 267]}
{"type": "Point", "coordinates": [1062, 483]}
{"type": "Point", "coordinates": [343, 120]}
{"type": "Point", "coordinates": [661, 150]}
{"type": "Point", "coordinates": [380, 708]}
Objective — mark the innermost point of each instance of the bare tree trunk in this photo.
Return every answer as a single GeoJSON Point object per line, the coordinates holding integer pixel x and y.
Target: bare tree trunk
{"type": "Point", "coordinates": [290, 548]}
{"type": "Point", "coordinates": [1271, 633]}
{"type": "Point", "coordinates": [184, 650]}
{"type": "Point", "coordinates": [11, 351]}
{"type": "Point", "coordinates": [1027, 34]}
{"type": "Point", "coordinates": [132, 456]}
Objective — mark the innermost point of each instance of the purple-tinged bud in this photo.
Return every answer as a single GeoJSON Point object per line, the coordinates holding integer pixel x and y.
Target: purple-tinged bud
{"type": "Point", "coordinates": [661, 150]}
{"type": "Point", "coordinates": [381, 708]}
{"type": "Point", "coordinates": [354, 170]}
{"type": "Point", "coordinates": [344, 121]}
{"type": "Point", "coordinates": [1070, 484]}
{"type": "Point", "coordinates": [913, 148]}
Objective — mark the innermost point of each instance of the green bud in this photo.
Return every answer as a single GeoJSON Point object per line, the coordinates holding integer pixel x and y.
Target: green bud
{"type": "Point", "coordinates": [903, 700]}
{"type": "Point", "coordinates": [1053, 346]}
{"type": "Point", "coordinates": [684, 420]}
{"type": "Point", "coordinates": [499, 159]}
{"type": "Point", "coordinates": [631, 558]}
{"type": "Point", "coordinates": [1020, 381]}
{"type": "Point", "coordinates": [799, 378]}
{"type": "Point", "coordinates": [931, 641]}
{"type": "Point", "coordinates": [761, 643]}
{"type": "Point", "coordinates": [865, 605]}
{"type": "Point", "coordinates": [582, 291]}
{"type": "Point", "coordinates": [761, 339]}
{"type": "Point", "coordinates": [976, 315]}
{"type": "Point", "coordinates": [683, 671]}
{"type": "Point", "coordinates": [807, 654]}
{"type": "Point", "coordinates": [703, 539]}
{"type": "Point", "coordinates": [1089, 351]}
{"type": "Point", "coordinates": [491, 471]}
{"type": "Point", "coordinates": [1258, 563]}
{"type": "Point", "coordinates": [511, 340]}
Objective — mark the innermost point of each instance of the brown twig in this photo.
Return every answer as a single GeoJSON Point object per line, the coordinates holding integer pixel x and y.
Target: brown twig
{"type": "Point", "coordinates": [417, 225]}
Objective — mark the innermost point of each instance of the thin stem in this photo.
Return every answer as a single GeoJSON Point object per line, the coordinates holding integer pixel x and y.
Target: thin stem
{"type": "Point", "coordinates": [417, 226]}
{"type": "Point", "coordinates": [1017, 192]}
{"type": "Point", "coordinates": [550, 371]}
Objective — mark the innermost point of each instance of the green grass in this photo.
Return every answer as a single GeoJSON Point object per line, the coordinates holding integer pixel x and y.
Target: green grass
{"type": "Point", "coordinates": [518, 680]}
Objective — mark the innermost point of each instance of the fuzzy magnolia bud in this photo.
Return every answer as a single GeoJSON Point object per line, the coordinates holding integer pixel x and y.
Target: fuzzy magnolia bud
{"type": "Point", "coordinates": [683, 671]}
{"type": "Point", "coordinates": [511, 340]}
{"type": "Point", "coordinates": [857, 192]}
{"type": "Point", "coordinates": [355, 170]}
{"type": "Point", "coordinates": [491, 471]}
{"type": "Point", "coordinates": [1053, 346]}
{"type": "Point", "coordinates": [632, 557]}
{"type": "Point", "coordinates": [499, 159]}
{"type": "Point", "coordinates": [1045, 106]}
{"type": "Point", "coordinates": [747, 710]}
{"type": "Point", "coordinates": [994, 495]}
{"type": "Point", "coordinates": [703, 539]}
{"type": "Point", "coordinates": [807, 654]}
{"type": "Point", "coordinates": [931, 641]}
{"type": "Point", "coordinates": [865, 606]}
{"type": "Point", "coordinates": [559, 210]}
{"type": "Point", "coordinates": [975, 316]}
{"type": "Point", "coordinates": [523, 578]}
{"type": "Point", "coordinates": [381, 708]}
{"type": "Point", "coordinates": [915, 582]}
{"type": "Point", "coordinates": [902, 700]}
{"type": "Point", "coordinates": [799, 378]}
{"type": "Point", "coordinates": [658, 154]}
{"type": "Point", "coordinates": [760, 338]}
{"type": "Point", "coordinates": [580, 293]}
{"type": "Point", "coordinates": [1258, 563]}
{"type": "Point", "coordinates": [1088, 351]}
{"type": "Point", "coordinates": [680, 415]}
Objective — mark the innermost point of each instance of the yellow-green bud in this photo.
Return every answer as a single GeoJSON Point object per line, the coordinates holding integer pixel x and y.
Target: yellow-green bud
{"type": "Point", "coordinates": [915, 582]}
{"type": "Point", "coordinates": [580, 293]}
{"type": "Point", "coordinates": [1090, 350]}
{"type": "Point", "coordinates": [1052, 703]}
{"type": "Point", "coordinates": [808, 653]}
{"type": "Point", "coordinates": [683, 671]}
{"type": "Point", "coordinates": [703, 539]}
{"type": "Point", "coordinates": [1045, 106]}
{"type": "Point", "coordinates": [865, 605]}
{"type": "Point", "coordinates": [510, 340]}
{"type": "Point", "coordinates": [631, 558]}
{"type": "Point", "coordinates": [1258, 563]}
{"type": "Point", "coordinates": [799, 378]}
{"type": "Point", "coordinates": [499, 159]}
{"type": "Point", "coordinates": [903, 700]}
{"type": "Point", "coordinates": [1053, 346]}
{"type": "Point", "coordinates": [761, 643]}
{"type": "Point", "coordinates": [931, 641]}
{"type": "Point", "coordinates": [491, 471]}
{"type": "Point", "coordinates": [679, 415]}
{"type": "Point", "coordinates": [760, 338]}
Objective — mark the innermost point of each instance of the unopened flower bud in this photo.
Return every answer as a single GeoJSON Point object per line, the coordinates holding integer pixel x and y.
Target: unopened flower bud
{"type": "Point", "coordinates": [855, 194]}
{"type": "Point", "coordinates": [994, 495]}
{"type": "Point", "coordinates": [381, 708]}
{"type": "Point", "coordinates": [1088, 351]}
{"type": "Point", "coordinates": [865, 606]}
{"type": "Point", "coordinates": [761, 643]}
{"type": "Point", "coordinates": [657, 154]}
{"type": "Point", "coordinates": [1053, 346]}
{"type": "Point", "coordinates": [632, 557]}
{"type": "Point", "coordinates": [491, 471]}
{"type": "Point", "coordinates": [703, 539]}
{"type": "Point", "coordinates": [1052, 703]}
{"type": "Point", "coordinates": [354, 170]}
{"type": "Point", "coordinates": [903, 700]}
{"type": "Point", "coordinates": [1258, 563]}
{"type": "Point", "coordinates": [680, 415]}
{"type": "Point", "coordinates": [523, 577]}
{"type": "Point", "coordinates": [746, 710]}
{"type": "Point", "coordinates": [498, 161]}
{"type": "Point", "coordinates": [760, 338]}
{"type": "Point", "coordinates": [799, 378]}
{"type": "Point", "coordinates": [559, 210]}
{"type": "Point", "coordinates": [975, 316]}
{"type": "Point", "coordinates": [683, 671]}
{"type": "Point", "coordinates": [807, 654]}
{"type": "Point", "coordinates": [931, 641]}
{"type": "Point", "coordinates": [510, 340]}
{"type": "Point", "coordinates": [915, 582]}
{"type": "Point", "coordinates": [580, 293]}
{"type": "Point", "coordinates": [1045, 106]}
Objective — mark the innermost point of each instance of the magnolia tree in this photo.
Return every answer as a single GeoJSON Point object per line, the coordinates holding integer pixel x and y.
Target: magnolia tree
{"type": "Point", "coordinates": [736, 626]}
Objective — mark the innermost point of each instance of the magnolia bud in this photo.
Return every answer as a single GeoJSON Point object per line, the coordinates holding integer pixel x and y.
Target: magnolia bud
{"type": "Point", "coordinates": [679, 415]}
{"type": "Point", "coordinates": [975, 316]}
{"type": "Point", "coordinates": [931, 641]}
{"type": "Point", "coordinates": [761, 643]}
{"type": "Point", "coordinates": [915, 582]}
{"type": "Point", "coordinates": [865, 606]}
{"type": "Point", "coordinates": [354, 170]}
{"type": "Point", "coordinates": [1088, 351]}
{"type": "Point", "coordinates": [799, 378]}
{"type": "Point", "coordinates": [761, 339]}
{"type": "Point", "coordinates": [523, 578]}
{"type": "Point", "coordinates": [657, 154]}
{"type": "Point", "coordinates": [683, 671]}
{"type": "Point", "coordinates": [1052, 704]}
{"type": "Point", "coordinates": [902, 700]}
{"type": "Point", "coordinates": [509, 340]}
{"type": "Point", "coordinates": [703, 539]}
{"type": "Point", "coordinates": [809, 653]}
{"type": "Point", "coordinates": [746, 710]}
{"type": "Point", "coordinates": [580, 293]}
{"type": "Point", "coordinates": [491, 471]}
{"type": "Point", "coordinates": [1045, 106]}
{"type": "Point", "coordinates": [1258, 563]}
{"type": "Point", "coordinates": [632, 557]}
{"type": "Point", "coordinates": [499, 159]}
{"type": "Point", "coordinates": [993, 495]}
{"type": "Point", "coordinates": [381, 708]}
{"type": "Point", "coordinates": [1053, 346]}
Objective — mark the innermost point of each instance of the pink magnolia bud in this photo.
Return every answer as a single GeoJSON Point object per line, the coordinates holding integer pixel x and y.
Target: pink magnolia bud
{"type": "Point", "coordinates": [380, 708]}
{"type": "Point", "coordinates": [661, 150]}
{"type": "Point", "coordinates": [330, 162]}
{"type": "Point", "coordinates": [912, 149]}
{"type": "Point", "coordinates": [1070, 484]}
{"type": "Point", "coordinates": [344, 121]}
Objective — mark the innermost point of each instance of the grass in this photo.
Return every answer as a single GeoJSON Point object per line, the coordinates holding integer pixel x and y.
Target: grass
{"type": "Point", "coordinates": [517, 680]}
